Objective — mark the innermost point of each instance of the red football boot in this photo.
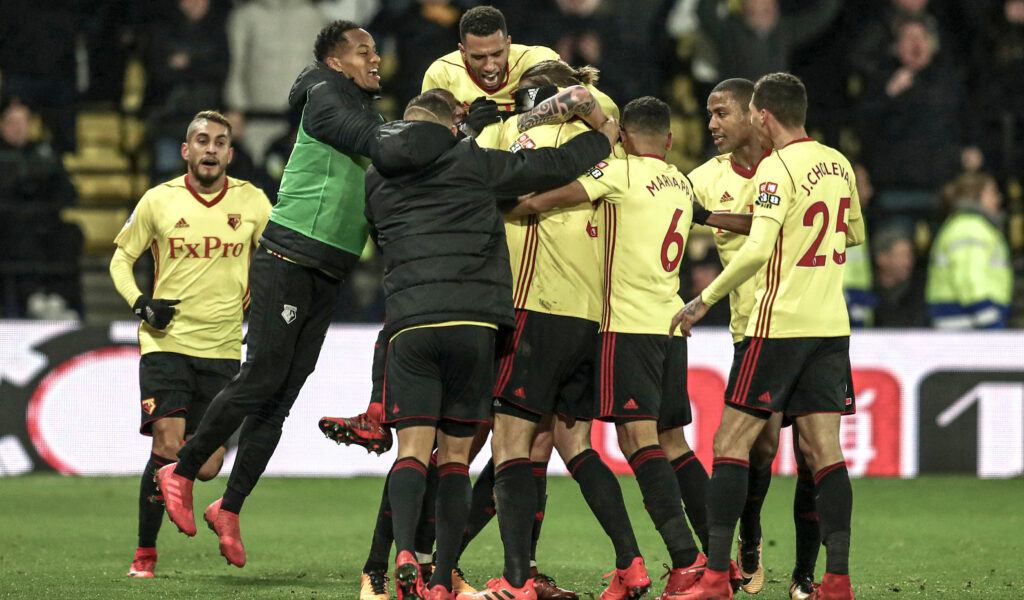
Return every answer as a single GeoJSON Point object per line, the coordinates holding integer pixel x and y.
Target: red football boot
{"type": "Point", "coordinates": [177, 493]}
{"type": "Point", "coordinates": [713, 585]}
{"type": "Point", "coordinates": [683, 578]}
{"type": "Point", "coordinates": [736, 577]}
{"type": "Point", "coordinates": [631, 582]}
{"type": "Point", "coordinates": [438, 592]}
{"type": "Point", "coordinates": [361, 430]}
{"type": "Point", "coordinates": [833, 587]}
{"type": "Point", "coordinates": [502, 589]}
{"type": "Point", "coordinates": [225, 525]}
{"type": "Point", "coordinates": [408, 583]}
{"type": "Point", "coordinates": [144, 563]}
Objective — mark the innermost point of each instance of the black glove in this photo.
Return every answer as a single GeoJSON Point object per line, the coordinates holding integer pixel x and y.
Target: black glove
{"type": "Point", "coordinates": [482, 112]}
{"type": "Point", "coordinates": [155, 311]}
{"type": "Point", "coordinates": [530, 96]}
{"type": "Point", "coordinates": [700, 214]}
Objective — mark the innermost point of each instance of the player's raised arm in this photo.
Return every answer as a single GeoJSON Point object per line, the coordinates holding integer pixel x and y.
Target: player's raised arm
{"type": "Point", "coordinates": [573, 101]}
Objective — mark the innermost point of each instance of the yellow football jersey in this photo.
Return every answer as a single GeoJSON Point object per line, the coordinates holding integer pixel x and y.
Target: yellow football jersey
{"type": "Point", "coordinates": [202, 245]}
{"type": "Point", "coordinates": [450, 72]}
{"type": "Point", "coordinates": [721, 185]}
{"type": "Point", "coordinates": [646, 209]}
{"type": "Point", "coordinates": [809, 189]}
{"type": "Point", "coordinates": [555, 256]}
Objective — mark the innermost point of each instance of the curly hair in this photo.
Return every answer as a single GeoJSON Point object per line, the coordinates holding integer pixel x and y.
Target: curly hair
{"type": "Point", "coordinates": [482, 21]}
{"type": "Point", "coordinates": [330, 37]}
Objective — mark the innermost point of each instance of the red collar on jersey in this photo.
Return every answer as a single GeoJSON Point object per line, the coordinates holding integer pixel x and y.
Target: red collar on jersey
{"type": "Point", "coordinates": [204, 201]}
{"type": "Point", "coordinates": [660, 157]}
{"type": "Point", "coordinates": [806, 139]}
{"type": "Point", "coordinates": [745, 172]}
{"type": "Point", "coordinates": [477, 83]}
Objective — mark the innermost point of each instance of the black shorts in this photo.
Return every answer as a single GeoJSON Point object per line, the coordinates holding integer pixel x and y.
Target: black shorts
{"type": "Point", "coordinates": [438, 374]}
{"type": "Point", "coordinates": [795, 376]}
{"type": "Point", "coordinates": [643, 377]}
{"type": "Point", "coordinates": [548, 367]}
{"type": "Point", "coordinates": [173, 383]}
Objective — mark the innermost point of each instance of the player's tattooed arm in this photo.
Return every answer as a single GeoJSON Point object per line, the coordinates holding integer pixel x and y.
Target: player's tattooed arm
{"type": "Point", "coordinates": [575, 101]}
{"type": "Point", "coordinates": [688, 316]}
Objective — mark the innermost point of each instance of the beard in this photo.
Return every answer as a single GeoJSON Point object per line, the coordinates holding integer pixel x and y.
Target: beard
{"type": "Point", "coordinates": [204, 179]}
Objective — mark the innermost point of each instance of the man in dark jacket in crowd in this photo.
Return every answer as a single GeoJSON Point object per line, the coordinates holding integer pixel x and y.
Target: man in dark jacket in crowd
{"type": "Point", "coordinates": [315, 235]}
{"type": "Point", "coordinates": [432, 202]}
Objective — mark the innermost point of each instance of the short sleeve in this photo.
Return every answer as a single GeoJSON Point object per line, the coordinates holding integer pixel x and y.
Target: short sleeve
{"type": "Point", "coordinates": [774, 191]}
{"type": "Point", "coordinates": [605, 178]}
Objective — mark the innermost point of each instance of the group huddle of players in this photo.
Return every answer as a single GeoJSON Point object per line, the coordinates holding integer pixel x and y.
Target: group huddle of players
{"type": "Point", "coordinates": [595, 279]}
{"type": "Point", "coordinates": [599, 328]}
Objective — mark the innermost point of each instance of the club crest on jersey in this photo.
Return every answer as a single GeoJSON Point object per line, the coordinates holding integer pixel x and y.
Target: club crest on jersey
{"type": "Point", "coordinates": [149, 405]}
{"type": "Point", "coordinates": [596, 170]}
{"type": "Point", "coordinates": [766, 196]}
{"type": "Point", "coordinates": [521, 142]}
{"type": "Point", "coordinates": [234, 221]}
{"type": "Point", "coordinates": [289, 313]}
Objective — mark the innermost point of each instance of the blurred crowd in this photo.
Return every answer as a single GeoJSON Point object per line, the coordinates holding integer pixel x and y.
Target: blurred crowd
{"type": "Point", "coordinates": [925, 96]}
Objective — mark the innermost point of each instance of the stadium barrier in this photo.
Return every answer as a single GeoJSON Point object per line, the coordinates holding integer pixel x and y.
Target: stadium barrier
{"type": "Point", "coordinates": [927, 402]}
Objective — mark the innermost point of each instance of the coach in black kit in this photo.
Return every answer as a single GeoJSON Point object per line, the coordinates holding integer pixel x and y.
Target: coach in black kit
{"type": "Point", "coordinates": [432, 208]}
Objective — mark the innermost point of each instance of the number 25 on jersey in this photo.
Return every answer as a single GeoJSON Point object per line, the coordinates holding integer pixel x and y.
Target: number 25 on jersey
{"type": "Point", "coordinates": [811, 258]}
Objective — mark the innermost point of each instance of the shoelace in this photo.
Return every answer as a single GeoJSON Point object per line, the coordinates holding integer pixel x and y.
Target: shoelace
{"type": "Point", "coordinates": [668, 570]}
{"type": "Point", "coordinates": [378, 580]}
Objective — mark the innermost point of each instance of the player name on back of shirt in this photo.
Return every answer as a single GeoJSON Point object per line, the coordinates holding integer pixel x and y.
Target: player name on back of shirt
{"type": "Point", "coordinates": [822, 169]}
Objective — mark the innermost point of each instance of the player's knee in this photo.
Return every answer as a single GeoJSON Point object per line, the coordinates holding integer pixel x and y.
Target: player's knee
{"type": "Point", "coordinates": [820, 451]}
{"type": "Point", "coordinates": [167, 446]}
{"type": "Point", "coordinates": [729, 446]}
{"type": "Point", "coordinates": [634, 435]}
{"type": "Point", "coordinates": [673, 442]}
{"type": "Point", "coordinates": [762, 453]}
{"type": "Point", "coordinates": [571, 441]}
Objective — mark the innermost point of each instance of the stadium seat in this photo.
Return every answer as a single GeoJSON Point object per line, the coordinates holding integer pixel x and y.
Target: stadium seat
{"type": "Point", "coordinates": [98, 225]}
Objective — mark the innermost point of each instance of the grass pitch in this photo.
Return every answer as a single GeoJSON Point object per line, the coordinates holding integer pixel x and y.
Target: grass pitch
{"type": "Point", "coordinates": [934, 537]}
